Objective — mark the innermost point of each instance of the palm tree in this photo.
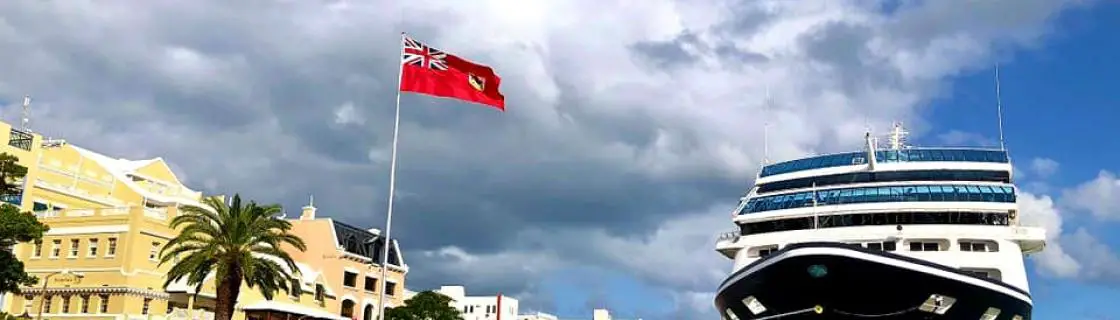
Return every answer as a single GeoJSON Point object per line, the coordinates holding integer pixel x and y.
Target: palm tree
{"type": "Point", "coordinates": [239, 243]}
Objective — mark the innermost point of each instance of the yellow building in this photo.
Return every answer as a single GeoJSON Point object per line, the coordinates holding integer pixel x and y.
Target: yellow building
{"type": "Point", "coordinates": [109, 220]}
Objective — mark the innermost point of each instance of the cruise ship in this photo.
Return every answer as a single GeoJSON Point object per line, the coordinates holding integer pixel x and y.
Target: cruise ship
{"type": "Point", "coordinates": [892, 232]}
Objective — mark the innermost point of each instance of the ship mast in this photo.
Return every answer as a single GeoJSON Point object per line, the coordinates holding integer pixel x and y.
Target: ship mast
{"type": "Point", "coordinates": [816, 216]}
{"type": "Point", "coordinates": [897, 138]}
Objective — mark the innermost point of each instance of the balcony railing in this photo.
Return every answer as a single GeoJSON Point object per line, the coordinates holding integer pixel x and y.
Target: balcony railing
{"type": "Point", "coordinates": [156, 213]}
{"type": "Point", "coordinates": [75, 192]}
{"type": "Point", "coordinates": [152, 213]}
{"type": "Point", "coordinates": [20, 139]}
{"type": "Point", "coordinates": [728, 236]}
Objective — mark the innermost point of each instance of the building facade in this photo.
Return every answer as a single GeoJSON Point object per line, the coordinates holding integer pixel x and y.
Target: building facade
{"type": "Point", "coordinates": [109, 220]}
{"type": "Point", "coordinates": [480, 307]}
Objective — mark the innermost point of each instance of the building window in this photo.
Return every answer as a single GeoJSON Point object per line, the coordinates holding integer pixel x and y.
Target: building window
{"type": "Point", "coordinates": [38, 250]}
{"type": "Point", "coordinates": [347, 309]}
{"type": "Point", "coordinates": [371, 283]}
{"type": "Point", "coordinates": [85, 304]}
{"type": "Point", "coordinates": [295, 291]}
{"type": "Point", "coordinates": [147, 305]}
{"type": "Point", "coordinates": [47, 299]}
{"type": "Point", "coordinates": [56, 248]}
{"type": "Point", "coordinates": [154, 252]}
{"type": "Point", "coordinates": [74, 248]}
{"type": "Point", "coordinates": [350, 279]}
{"type": "Point", "coordinates": [104, 300]}
{"type": "Point", "coordinates": [320, 293]}
{"type": "Point", "coordinates": [925, 246]}
{"type": "Point", "coordinates": [390, 288]}
{"type": "Point", "coordinates": [65, 304]}
{"type": "Point", "coordinates": [112, 249]}
{"type": "Point", "coordinates": [92, 247]}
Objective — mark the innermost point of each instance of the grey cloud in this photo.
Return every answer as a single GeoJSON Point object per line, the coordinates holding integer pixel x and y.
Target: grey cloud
{"type": "Point", "coordinates": [241, 97]}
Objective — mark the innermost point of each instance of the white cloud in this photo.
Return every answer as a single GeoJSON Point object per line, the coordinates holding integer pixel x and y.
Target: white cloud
{"type": "Point", "coordinates": [1039, 211]}
{"type": "Point", "coordinates": [957, 138]}
{"type": "Point", "coordinates": [1100, 196]}
{"type": "Point", "coordinates": [1044, 167]}
{"type": "Point", "coordinates": [346, 114]}
{"type": "Point", "coordinates": [679, 254]}
{"type": "Point", "coordinates": [1075, 255]}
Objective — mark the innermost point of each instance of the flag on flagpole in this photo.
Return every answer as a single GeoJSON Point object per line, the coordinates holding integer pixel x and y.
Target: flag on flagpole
{"type": "Point", "coordinates": [430, 71]}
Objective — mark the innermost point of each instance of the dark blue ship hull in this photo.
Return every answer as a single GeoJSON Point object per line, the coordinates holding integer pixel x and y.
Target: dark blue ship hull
{"type": "Point", "coordinates": [838, 281]}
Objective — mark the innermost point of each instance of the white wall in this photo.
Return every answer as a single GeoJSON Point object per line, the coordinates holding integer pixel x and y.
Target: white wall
{"type": "Point", "coordinates": [480, 307]}
{"type": "Point", "coordinates": [601, 314]}
{"type": "Point", "coordinates": [537, 316]}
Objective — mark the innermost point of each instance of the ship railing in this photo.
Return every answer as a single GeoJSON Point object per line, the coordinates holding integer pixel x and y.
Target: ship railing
{"type": "Point", "coordinates": [727, 236]}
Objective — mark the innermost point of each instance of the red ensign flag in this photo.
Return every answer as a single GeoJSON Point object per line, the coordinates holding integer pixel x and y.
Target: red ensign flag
{"type": "Point", "coordinates": [427, 70]}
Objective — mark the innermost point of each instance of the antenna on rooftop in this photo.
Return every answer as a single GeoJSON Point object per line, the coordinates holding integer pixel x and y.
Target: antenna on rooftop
{"type": "Point", "coordinates": [26, 114]}
{"type": "Point", "coordinates": [999, 110]}
{"type": "Point", "coordinates": [897, 137]}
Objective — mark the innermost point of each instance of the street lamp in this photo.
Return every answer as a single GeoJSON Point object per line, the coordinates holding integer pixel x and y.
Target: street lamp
{"type": "Point", "coordinates": [43, 291]}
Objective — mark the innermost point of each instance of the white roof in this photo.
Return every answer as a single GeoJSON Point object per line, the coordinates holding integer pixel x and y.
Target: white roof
{"type": "Point", "coordinates": [121, 168]}
{"type": "Point", "coordinates": [292, 308]}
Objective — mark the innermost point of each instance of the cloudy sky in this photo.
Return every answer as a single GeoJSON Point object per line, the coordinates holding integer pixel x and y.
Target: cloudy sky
{"type": "Point", "coordinates": [632, 126]}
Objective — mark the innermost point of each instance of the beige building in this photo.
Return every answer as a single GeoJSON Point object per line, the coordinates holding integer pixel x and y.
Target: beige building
{"type": "Point", "coordinates": [109, 220]}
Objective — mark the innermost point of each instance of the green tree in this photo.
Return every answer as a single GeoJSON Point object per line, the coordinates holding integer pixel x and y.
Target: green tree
{"type": "Point", "coordinates": [15, 226]}
{"type": "Point", "coordinates": [241, 243]}
{"type": "Point", "coordinates": [5, 316]}
{"type": "Point", "coordinates": [427, 305]}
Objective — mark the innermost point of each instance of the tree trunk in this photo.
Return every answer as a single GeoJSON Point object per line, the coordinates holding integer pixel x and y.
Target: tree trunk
{"type": "Point", "coordinates": [228, 290]}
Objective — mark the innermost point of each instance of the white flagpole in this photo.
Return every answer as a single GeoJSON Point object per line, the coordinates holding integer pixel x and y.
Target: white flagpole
{"type": "Point", "coordinates": [392, 187]}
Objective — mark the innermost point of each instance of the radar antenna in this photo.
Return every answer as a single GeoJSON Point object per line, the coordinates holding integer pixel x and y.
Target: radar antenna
{"type": "Point", "coordinates": [897, 138]}
{"type": "Point", "coordinates": [26, 114]}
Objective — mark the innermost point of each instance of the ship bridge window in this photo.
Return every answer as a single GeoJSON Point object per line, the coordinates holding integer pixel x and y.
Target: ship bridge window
{"type": "Point", "coordinates": [927, 245]}
{"type": "Point", "coordinates": [881, 245]}
{"type": "Point", "coordinates": [875, 219]}
{"type": "Point", "coordinates": [887, 156]}
{"type": "Point", "coordinates": [989, 273]}
{"type": "Point", "coordinates": [888, 176]}
{"type": "Point", "coordinates": [762, 251]}
{"type": "Point", "coordinates": [910, 193]}
{"type": "Point", "coordinates": [979, 246]}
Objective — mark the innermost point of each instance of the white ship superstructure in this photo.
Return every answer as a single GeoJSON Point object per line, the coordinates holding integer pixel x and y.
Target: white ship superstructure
{"type": "Point", "coordinates": [949, 208]}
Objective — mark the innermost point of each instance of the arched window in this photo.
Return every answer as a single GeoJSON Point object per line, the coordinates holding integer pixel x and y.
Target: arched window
{"type": "Point", "coordinates": [347, 309]}
{"type": "Point", "coordinates": [368, 313]}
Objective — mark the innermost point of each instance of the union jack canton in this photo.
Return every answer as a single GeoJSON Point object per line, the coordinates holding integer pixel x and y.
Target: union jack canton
{"type": "Point", "coordinates": [418, 54]}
